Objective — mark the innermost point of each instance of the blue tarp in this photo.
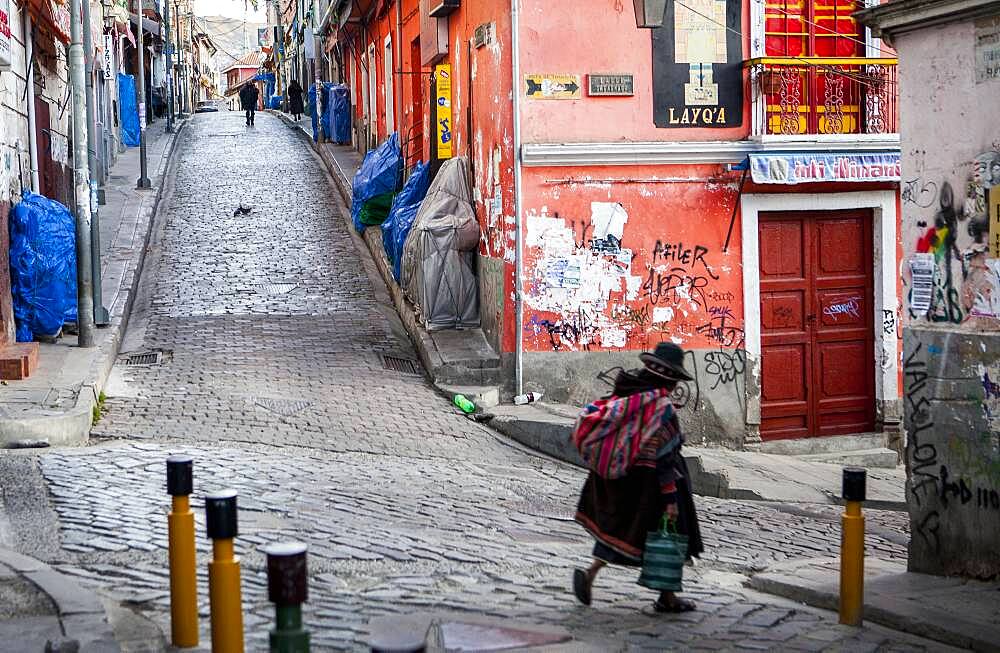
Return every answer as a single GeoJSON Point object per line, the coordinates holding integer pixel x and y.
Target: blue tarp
{"type": "Point", "coordinates": [326, 106]}
{"type": "Point", "coordinates": [312, 112]}
{"type": "Point", "coordinates": [268, 79]}
{"type": "Point", "coordinates": [129, 110]}
{"type": "Point", "coordinates": [341, 109]}
{"type": "Point", "coordinates": [275, 102]}
{"type": "Point", "coordinates": [42, 266]}
{"type": "Point", "coordinates": [404, 209]}
{"type": "Point", "coordinates": [379, 174]}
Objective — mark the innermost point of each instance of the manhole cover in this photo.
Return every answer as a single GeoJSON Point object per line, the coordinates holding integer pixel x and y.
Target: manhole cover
{"type": "Point", "coordinates": [283, 407]}
{"type": "Point", "coordinates": [143, 359]}
{"type": "Point", "coordinates": [275, 288]}
{"type": "Point", "coordinates": [404, 365]}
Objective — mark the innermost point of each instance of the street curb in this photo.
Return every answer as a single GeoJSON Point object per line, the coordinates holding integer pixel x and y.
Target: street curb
{"type": "Point", "coordinates": [425, 349]}
{"type": "Point", "coordinates": [919, 620]}
{"type": "Point", "coordinates": [81, 611]}
{"type": "Point", "coordinates": [73, 427]}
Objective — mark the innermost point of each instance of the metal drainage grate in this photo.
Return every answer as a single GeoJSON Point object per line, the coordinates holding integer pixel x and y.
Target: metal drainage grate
{"type": "Point", "coordinates": [283, 407]}
{"type": "Point", "coordinates": [404, 365]}
{"type": "Point", "coordinates": [144, 359]}
{"type": "Point", "coordinates": [275, 288]}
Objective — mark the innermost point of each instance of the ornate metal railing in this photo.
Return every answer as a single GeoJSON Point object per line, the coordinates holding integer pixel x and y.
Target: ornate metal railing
{"type": "Point", "coordinates": [819, 96]}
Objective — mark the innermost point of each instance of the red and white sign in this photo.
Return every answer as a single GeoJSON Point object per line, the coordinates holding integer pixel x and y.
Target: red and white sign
{"type": "Point", "coordinates": [5, 40]}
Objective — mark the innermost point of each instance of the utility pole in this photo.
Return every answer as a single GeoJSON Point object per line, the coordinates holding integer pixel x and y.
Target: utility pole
{"type": "Point", "coordinates": [81, 185]}
{"type": "Point", "coordinates": [143, 181]}
{"type": "Point", "coordinates": [279, 53]}
{"type": "Point", "coordinates": [170, 67]}
{"type": "Point", "coordinates": [101, 317]}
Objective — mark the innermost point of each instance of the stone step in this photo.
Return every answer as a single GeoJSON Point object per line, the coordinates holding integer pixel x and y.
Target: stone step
{"type": "Point", "coordinates": [878, 457]}
{"type": "Point", "coordinates": [830, 444]}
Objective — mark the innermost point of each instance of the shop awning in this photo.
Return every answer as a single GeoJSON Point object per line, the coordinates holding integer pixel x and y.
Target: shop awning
{"type": "Point", "coordinates": [150, 26]}
{"type": "Point", "coordinates": [809, 167]}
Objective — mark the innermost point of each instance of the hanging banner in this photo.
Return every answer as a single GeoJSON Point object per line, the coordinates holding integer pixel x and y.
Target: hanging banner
{"type": "Point", "coordinates": [442, 74]}
{"type": "Point", "coordinates": [812, 168]}
{"type": "Point", "coordinates": [5, 46]}
{"type": "Point", "coordinates": [309, 46]}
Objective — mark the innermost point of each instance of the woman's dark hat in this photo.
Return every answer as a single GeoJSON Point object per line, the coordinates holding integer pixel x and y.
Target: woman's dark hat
{"type": "Point", "coordinates": [667, 360]}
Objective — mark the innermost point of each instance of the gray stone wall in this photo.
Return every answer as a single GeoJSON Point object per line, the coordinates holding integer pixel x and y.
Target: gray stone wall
{"type": "Point", "coordinates": [951, 384]}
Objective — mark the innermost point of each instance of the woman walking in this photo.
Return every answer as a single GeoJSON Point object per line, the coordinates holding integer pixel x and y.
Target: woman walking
{"type": "Point", "coordinates": [295, 99]}
{"type": "Point", "coordinates": [642, 482]}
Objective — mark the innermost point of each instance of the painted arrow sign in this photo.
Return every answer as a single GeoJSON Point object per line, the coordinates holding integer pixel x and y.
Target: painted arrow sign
{"type": "Point", "coordinates": [552, 87]}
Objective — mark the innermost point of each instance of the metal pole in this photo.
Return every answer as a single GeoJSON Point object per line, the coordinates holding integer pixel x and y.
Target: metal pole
{"type": "Point", "coordinates": [288, 589]}
{"type": "Point", "coordinates": [29, 64]}
{"type": "Point", "coordinates": [101, 316]}
{"type": "Point", "coordinates": [190, 77]}
{"type": "Point", "coordinates": [170, 68]}
{"type": "Point", "coordinates": [225, 601]}
{"type": "Point", "coordinates": [852, 547]}
{"type": "Point", "coordinates": [518, 226]}
{"type": "Point", "coordinates": [143, 181]}
{"type": "Point", "coordinates": [279, 48]}
{"type": "Point", "coordinates": [81, 184]}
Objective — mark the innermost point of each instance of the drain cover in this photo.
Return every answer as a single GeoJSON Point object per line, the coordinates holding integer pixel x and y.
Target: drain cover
{"type": "Point", "coordinates": [144, 359]}
{"type": "Point", "coordinates": [404, 365]}
{"type": "Point", "coordinates": [283, 407]}
{"type": "Point", "coordinates": [275, 288]}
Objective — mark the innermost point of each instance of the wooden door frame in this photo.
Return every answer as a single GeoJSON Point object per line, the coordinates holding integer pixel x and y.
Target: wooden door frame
{"type": "Point", "coordinates": [882, 204]}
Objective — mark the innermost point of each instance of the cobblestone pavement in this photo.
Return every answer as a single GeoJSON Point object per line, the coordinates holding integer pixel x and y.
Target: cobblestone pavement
{"type": "Point", "coordinates": [272, 335]}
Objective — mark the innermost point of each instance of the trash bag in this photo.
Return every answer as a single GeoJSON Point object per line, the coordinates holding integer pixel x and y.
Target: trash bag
{"type": "Point", "coordinates": [327, 106]}
{"type": "Point", "coordinates": [42, 266]}
{"type": "Point", "coordinates": [312, 112]}
{"type": "Point", "coordinates": [379, 174]}
{"type": "Point", "coordinates": [341, 96]}
{"type": "Point", "coordinates": [397, 226]}
{"type": "Point", "coordinates": [129, 110]}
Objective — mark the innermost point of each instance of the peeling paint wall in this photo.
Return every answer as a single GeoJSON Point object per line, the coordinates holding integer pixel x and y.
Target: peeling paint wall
{"type": "Point", "coordinates": [951, 361]}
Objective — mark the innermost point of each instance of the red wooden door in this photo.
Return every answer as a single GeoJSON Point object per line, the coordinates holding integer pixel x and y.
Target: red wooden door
{"type": "Point", "coordinates": [817, 319]}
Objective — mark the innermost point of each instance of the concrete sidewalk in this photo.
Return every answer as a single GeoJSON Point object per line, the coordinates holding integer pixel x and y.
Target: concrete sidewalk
{"type": "Point", "coordinates": [959, 612]}
{"type": "Point", "coordinates": [714, 472]}
{"type": "Point", "coordinates": [55, 405]}
{"type": "Point", "coordinates": [40, 606]}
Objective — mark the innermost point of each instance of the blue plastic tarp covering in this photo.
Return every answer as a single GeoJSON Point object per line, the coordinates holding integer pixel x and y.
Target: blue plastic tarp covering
{"type": "Point", "coordinates": [341, 108]}
{"type": "Point", "coordinates": [275, 102]}
{"type": "Point", "coordinates": [379, 174]}
{"type": "Point", "coordinates": [326, 106]}
{"type": "Point", "coordinates": [404, 209]}
{"type": "Point", "coordinates": [42, 266]}
{"type": "Point", "coordinates": [129, 110]}
{"type": "Point", "coordinates": [313, 114]}
{"type": "Point", "coordinates": [269, 85]}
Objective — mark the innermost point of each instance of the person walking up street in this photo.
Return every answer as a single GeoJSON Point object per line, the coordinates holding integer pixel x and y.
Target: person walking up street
{"type": "Point", "coordinates": [632, 443]}
{"type": "Point", "coordinates": [249, 95]}
{"type": "Point", "coordinates": [295, 106]}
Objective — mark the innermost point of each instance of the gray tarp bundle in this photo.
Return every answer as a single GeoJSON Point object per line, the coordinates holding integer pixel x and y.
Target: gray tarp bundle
{"type": "Point", "coordinates": [439, 256]}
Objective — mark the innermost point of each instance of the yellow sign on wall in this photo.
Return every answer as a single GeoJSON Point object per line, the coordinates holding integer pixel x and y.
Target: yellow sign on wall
{"type": "Point", "coordinates": [552, 87]}
{"type": "Point", "coordinates": [442, 74]}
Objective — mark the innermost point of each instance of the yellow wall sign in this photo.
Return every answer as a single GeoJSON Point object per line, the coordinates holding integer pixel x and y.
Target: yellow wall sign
{"type": "Point", "coordinates": [442, 74]}
{"type": "Point", "coordinates": [994, 208]}
{"type": "Point", "coordinates": [552, 87]}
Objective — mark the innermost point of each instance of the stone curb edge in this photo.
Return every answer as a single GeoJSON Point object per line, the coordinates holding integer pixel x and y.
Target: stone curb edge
{"type": "Point", "coordinates": [81, 612]}
{"type": "Point", "coordinates": [911, 620]}
{"type": "Point", "coordinates": [429, 357]}
{"type": "Point", "coordinates": [73, 426]}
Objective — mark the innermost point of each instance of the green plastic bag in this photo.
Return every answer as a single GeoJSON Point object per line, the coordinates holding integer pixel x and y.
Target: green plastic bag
{"type": "Point", "coordinates": [376, 210]}
{"type": "Point", "coordinates": [663, 560]}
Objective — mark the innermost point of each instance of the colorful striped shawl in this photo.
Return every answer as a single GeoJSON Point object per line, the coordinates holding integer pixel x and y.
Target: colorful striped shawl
{"type": "Point", "coordinates": [615, 434]}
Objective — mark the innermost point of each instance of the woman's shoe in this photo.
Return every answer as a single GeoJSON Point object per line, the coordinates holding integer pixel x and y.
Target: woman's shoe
{"type": "Point", "coordinates": [675, 605]}
{"type": "Point", "coordinates": [581, 586]}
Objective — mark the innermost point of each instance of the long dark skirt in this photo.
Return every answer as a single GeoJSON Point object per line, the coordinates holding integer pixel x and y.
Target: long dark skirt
{"type": "Point", "coordinates": [620, 513]}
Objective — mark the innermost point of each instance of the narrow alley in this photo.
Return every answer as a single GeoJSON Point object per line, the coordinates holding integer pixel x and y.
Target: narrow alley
{"type": "Point", "coordinates": [264, 345]}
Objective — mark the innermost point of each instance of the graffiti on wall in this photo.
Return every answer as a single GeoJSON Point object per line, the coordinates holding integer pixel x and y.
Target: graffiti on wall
{"type": "Point", "coordinates": [954, 274]}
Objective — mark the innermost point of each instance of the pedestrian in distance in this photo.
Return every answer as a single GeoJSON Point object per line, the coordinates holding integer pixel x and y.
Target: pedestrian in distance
{"type": "Point", "coordinates": [638, 481]}
{"type": "Point", "coordinates": [295, 106]}
{"type": "Point", "coordinates": [249, 95]}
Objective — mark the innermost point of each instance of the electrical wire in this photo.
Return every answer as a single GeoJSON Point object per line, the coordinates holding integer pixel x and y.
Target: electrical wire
{"type": "Point", "coordinates": [823, 27]}
{"type": "Point", "coordinates": [861, 79]}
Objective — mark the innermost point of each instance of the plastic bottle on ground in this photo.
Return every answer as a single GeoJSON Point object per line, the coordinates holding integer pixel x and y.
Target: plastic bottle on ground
{"type": "Point", "coordinates": [464, 404]}
{"type": "Point", "coordinates": [527, 398]}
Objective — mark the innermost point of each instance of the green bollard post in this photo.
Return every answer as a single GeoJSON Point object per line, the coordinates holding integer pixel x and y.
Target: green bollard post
{"type": "Point", "coordinates": [287, 588]}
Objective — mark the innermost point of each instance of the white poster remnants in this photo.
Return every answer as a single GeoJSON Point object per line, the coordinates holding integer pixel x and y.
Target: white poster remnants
{"type": "Point", "coordinates": [922, 267]}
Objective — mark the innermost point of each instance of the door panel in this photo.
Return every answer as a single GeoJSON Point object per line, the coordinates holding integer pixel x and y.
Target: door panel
{"type": "Point", "coordinates": [817, 338]}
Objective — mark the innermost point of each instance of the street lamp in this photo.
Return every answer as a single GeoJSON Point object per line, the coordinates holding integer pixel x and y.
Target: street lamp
{"type": "Point", "coordinates": [649, 13]}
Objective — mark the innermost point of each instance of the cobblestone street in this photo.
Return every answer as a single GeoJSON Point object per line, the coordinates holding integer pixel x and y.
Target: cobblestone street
{"type": "Point", "coordinates": [273, 331]}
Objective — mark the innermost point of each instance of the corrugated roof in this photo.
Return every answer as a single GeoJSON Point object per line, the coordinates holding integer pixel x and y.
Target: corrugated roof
{"type": "Point", "coordinates": [249, 60]}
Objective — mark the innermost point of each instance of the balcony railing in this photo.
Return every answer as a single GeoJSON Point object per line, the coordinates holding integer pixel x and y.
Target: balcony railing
{"type": "Point", "coordinates": [819, 97]}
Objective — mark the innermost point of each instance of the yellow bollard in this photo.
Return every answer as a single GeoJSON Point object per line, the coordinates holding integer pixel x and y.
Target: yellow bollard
{"type": "Point", "coordinates": [180, 536]}
{"type": "Point", "coordinates": [224, 574]}
{"type": "Point", "coordinates": [852, 548]}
